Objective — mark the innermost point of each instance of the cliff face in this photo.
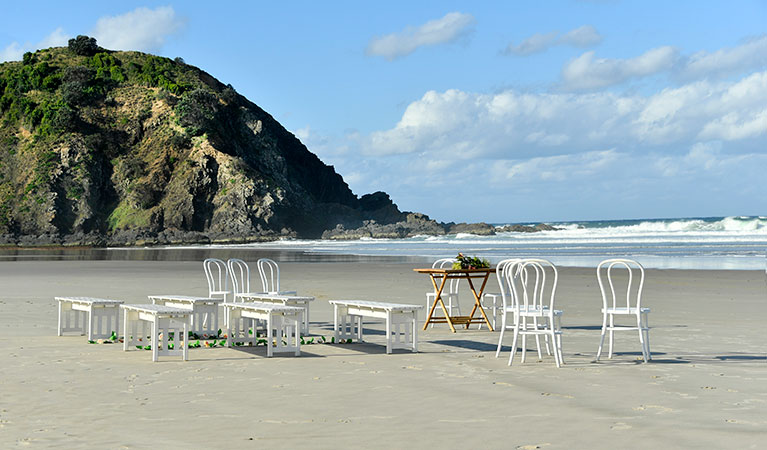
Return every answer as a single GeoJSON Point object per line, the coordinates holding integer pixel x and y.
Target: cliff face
{"type": "Point", "coordinates": [123, 148]}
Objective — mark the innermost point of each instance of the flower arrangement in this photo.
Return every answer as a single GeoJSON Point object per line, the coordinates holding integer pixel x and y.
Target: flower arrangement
{"type": "Point", "coordinates": [468, 262]}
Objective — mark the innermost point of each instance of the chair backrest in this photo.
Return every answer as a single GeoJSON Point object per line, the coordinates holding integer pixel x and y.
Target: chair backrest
{"type": "Point", "coordinates": [216, 274]}
{"type": "Point", "coordinates": [533, 284]}
{"type": "Point", "coordinates": [500, 275]}
{"type": "Point", "coordinates": [239, 272]}
{"type": "Point", "coordinates": [269, 271]}
{"type": "Point", "coordinates": [447, 263]}
{"type": "Point", "coordinates": [631, 267]}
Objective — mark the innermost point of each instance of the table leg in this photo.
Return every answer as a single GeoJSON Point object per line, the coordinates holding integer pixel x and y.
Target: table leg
{"type": "Point", "coordinates": [477, 302]}
{"type": "Point", "coordinates": [438, 299]}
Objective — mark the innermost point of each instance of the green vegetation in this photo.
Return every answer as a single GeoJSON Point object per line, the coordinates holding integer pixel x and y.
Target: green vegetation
{"type": "Point", "coordinates": [126, 216]}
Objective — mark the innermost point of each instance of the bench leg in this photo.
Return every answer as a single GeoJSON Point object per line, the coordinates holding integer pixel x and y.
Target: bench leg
{"type": "Point", "coordinates": [269, 337]}
{"type": "Point", "coordinates": [388, 332]}
{"type": "Point", "coordinates": [60, 306]}
{"type": "Point", "coordinates": [415, 333]}
{"type": "Point", "coordinates": [335, 323]}
{"type": "Point", "coordinates": [155, 341]}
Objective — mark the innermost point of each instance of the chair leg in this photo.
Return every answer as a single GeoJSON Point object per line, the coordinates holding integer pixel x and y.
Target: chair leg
{"type": "Point", "coordinates": [556, 351]}
{"type": "Point", "coordinates": [524, 339]}
{"type": "Point", "coordinates": [641, 337]}
{"type": "Point", "coordinates": [602, 337]}
{"type": "Point", "coordinates": [500, 338]}
{"type": "Point", "coordinates": [514, 342]}
{"type": "Point", "coordinates": [612, 331]}
{"type": "Point", "coordinates": [647, 335]}
{"type": "Point", "coordinates": [538, 340]}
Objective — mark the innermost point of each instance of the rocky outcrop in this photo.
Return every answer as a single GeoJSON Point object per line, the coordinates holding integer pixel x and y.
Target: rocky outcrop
{"type": "Point", "coordinates": [527, 228]}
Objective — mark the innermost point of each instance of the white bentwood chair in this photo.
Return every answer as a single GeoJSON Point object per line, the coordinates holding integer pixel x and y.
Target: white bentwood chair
{"type": "Point", "coordinates": [218, 278]}
{"type": "Point", "coordinates": [497, 305]}
{"type": "Point", "coordinates": [217, 274]}
{"type": "Point", "coordinates": [449, 298]}
{"type": "Point", "coordinates": [617, 307]}
{"type": "Point", "coordinates": [531, 281]}
{"type": "Point", "coordinates": [269, 272]}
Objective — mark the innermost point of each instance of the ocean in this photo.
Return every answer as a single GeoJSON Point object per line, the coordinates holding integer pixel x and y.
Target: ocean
{"type": "Point", "coordinates": [729, 243]}
{"type": "Point", "coordinates": [732, 243]}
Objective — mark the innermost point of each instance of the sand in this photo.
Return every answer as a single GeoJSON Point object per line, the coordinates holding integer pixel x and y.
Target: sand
{"type": "Point", "coordinates": [706, 387]}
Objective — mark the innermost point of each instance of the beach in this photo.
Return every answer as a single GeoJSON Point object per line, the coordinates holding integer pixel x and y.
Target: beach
{"type": "Point", "coordinates": [705, 387]}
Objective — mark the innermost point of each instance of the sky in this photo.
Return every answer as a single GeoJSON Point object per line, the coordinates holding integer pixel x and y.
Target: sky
{"type": "Point", "coordinates": [492, 111]}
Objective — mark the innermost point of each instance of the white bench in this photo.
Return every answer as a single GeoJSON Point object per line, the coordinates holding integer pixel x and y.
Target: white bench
{"type": "Point", "coordinates": [285, 319]}
{"type": "Point", "coordinates": [282, 298]}
{"type": "Point", "coordinates": [163, 321]}
{"type": "Point", "coordinates": [96, 317]}
{"type": "Point", "coordinates": [401, 329]}
{"type": "Point", "coordinates": [204, 311]}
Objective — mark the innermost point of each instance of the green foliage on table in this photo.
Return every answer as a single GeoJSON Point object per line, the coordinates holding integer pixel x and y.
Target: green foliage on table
{"type": "Point", "coordinates": [469, 262]}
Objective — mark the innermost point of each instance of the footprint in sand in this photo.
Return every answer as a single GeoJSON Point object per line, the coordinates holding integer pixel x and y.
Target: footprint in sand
{"type": "Point", "coordinates": [549, 394]}
{"type": "Point", "coordinates": [532, 446]}
{"type": "Point", "coordinates": [620, 426]}
{"type": "Point", "coordinates": [657, 408]}
{"type": "Point", "coordinates": [503, 383]}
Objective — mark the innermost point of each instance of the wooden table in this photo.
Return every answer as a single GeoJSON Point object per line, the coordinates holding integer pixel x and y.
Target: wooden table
{"type": "Point", "coordinates": [439, 278]}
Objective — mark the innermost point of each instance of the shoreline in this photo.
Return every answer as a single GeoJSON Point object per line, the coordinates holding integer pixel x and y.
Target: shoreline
{"type": "Point", "coordinates": [293, 254]}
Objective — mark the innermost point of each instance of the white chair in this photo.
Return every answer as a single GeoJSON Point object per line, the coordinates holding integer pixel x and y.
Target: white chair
{"type": "Point", "coordinates": [218, 278]}
{"type": "Point", "coordinates": [617, 307]}
{"type": "Point", "coordinates": [531, 281]}
{"type": "Point", "coordinates": [497, 297]}
{"type": "Point", "coordinates": [239, 274]}
{"type": "Point", "coordinates": [449, 298]}
{"type": "Point", "coordinates": [269, 272]}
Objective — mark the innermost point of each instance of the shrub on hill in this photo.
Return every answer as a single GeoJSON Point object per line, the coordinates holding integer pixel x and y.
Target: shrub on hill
{"type": "Point", "coordinates": [83, 46]}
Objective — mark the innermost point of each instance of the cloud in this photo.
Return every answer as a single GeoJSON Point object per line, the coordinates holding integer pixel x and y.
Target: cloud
{"type": "Point", "coordinates": [585, 36]}
{"type": "Point", "coordinates": [750, 55]}
{"type": "Point", "coordinates": [582, 37]}
{"type": "Point", "coordinates": [440, 31]}
{"type": "Point", "coordinates": [15, 51]}
{"type": "Point", "coordinates": [587, 72]}
{"type": "Point", "coordinates": [461, 125]}
{"type": "Point", "coordinates": [142, 29]}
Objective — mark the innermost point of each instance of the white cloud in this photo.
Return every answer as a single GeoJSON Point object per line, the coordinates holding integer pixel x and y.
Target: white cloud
{"type": "Point", "coordinates": [587, 72]}
{"type": "Point", "coordinates": [534, 44]}
{"type": "Point", "coordinates": [750, 55]}
{"type": "Point", "coordinates": [512, 124]}
{"type": "Point", "coordinates": [15, 51]}
{"type": "Point", "coordinates": [142, 29]}
{"type": "Point", "coordinates": [585, 36]}
{"type": "Point", "coordinates": [440, 31]}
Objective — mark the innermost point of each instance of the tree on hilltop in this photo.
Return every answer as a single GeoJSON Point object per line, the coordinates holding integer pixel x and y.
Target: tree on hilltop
{"type": "Point", "coordinates": [83, 46]}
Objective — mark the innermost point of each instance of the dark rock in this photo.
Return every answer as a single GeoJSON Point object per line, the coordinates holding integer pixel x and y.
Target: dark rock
{"type": "Point", "coordinates": [479, 229]}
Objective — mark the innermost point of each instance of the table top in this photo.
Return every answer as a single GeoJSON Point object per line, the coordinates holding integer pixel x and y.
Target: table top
{"type": "Point", "coordinates": [185, 298]}
{"type": "Point", "coordinates": [274, 296]}
{"type": "Point", "coordinates": [376, 305]}
{"type": "Point", "coordinates": [158, 309]}
{"type": "Point", "coordinates": [89, 300]}
{"type": "Point", "coordinates": [260, 306]}
{"type": "Point", "coordinates": [432, 270]}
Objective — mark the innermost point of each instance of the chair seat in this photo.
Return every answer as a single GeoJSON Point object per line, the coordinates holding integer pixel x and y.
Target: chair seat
{"type": "Point", "coordinates": [220, 292]}
{"type": "Point", "coordinates": [534, 311]}
{"type": "Point", "coordinates": [623, 310]}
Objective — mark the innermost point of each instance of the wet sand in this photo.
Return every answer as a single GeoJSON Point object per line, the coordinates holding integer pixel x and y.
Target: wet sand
{"type": "Point", "coordinates": [704, 389]}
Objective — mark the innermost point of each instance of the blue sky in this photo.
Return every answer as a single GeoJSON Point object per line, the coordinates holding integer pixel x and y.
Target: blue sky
{"type": "Point", "coordinates": [481, 111]}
